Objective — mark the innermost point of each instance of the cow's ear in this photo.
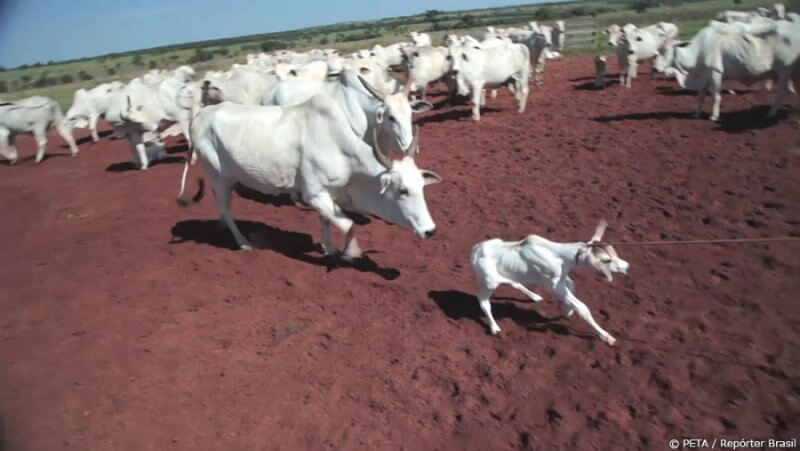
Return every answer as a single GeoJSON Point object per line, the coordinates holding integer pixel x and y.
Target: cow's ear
{"type": "Point", "coordinates": [379, 113]}
{"type": "Point", "coordinates": [464, 56]}
{"type": "Point", "coordinates": [430, 177]}
{"type": "Point", "coordinates": [420, 106]}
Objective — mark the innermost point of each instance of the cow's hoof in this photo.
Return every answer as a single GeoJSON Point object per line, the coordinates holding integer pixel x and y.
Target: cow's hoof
{"type": "Point", "coordinates": [12, 162]}
{"type": "Point", "coordinates": [143, 168]}
{"type": "Point", "coordinates": [245, 247]}
{"type": "Point", "coordinates": [611, 341]}
{"type": "Point", "coordinates": [495, 331]}
{"type": "Point", "coordinates": [714, 118]}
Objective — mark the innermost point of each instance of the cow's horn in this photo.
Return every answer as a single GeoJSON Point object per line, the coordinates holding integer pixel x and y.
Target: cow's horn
{"type": "Point", "coordinates": [414, 146]}
{"type": "Point", "coordinates": [370, 88]}
{"type": "Point", "coordinates": [376, 150]}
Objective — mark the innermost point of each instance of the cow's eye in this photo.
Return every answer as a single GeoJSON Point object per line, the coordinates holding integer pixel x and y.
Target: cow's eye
{"type": "Point", "coordinates": [606, 260]}
{"type": "Point", "coordinates": [403, 191]}
{"type": "Point", "coordinates": [391, 118]}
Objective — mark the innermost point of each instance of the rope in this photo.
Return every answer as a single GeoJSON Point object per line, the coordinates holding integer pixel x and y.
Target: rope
{"type": "Point", "coordinates": [720, 241]}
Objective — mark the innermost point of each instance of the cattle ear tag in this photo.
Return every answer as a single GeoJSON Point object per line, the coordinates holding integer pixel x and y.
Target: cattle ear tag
{"type": "Point", "coordinates": [386, 181]}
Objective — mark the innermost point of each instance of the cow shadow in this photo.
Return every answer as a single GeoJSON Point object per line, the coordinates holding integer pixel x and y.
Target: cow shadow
{"type": "Point", "coordinates": [88, 138]}
{"type": "Point", "coordinates": [645, 116]}
{"type": "Point", "coordinates": [458, 305]}
{"type": "Point", "coordinates": [590, 86]}
{"type": "Point", "coordinates": [294, 245]}
{"type": "Point", "coordinates": [31, 158]}
{"type": "Point", "coordinates": [754, 118]}
{"type": "Point", "coordinates": [454, 115]}
{"type": "Point", "coordinates": [182, 147]}
{"type": "Point", "coordinates": [125, 166]}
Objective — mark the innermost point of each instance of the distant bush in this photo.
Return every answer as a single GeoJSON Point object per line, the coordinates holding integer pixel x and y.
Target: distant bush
{"type": "Point", "coordinates": [641, 6]}
{"type": "Point", "coordinates": [174, 57]}
{"type": "Point", "coordinates": [152, 65]}
{"type": "Point", "coordinates": [272, 45]}
{"type": "Point", "coordinates": [200, 56]}
{"type": "Point", "coordinates": [578, 11]}
{"type": "Point", "coordinates": [250, 47]}
{"type": "Point", "coordinates": [84, 76]}
{"type": "Point", "coordinates": [3, 86]}
{"type": "Point", "coordinates": [137, 60]}
{"type": "Point", "coordinates": [44, 80]}
{"type": "Point", "coordinates": [468, 21]}
{"type": "Point", "coordinates": [738, 2]}
{"type": "Point", "coordinates": [25, 79]}
{"type": "Point", "coordinates": [111, 71]}
{"type": "Point", "coordinates": [67, 78]}
{"type": "Point", "coordinates": [322, 41]}
{"type": "Point", "coordinates": [543, 13]}
{"type": "Point", "coordinates": [224, 51]}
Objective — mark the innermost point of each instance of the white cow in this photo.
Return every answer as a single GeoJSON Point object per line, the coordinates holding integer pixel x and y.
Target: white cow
{"type": "Point", "coordinates": [490, 68]}
{"type": "Point", "coordinates": [428, 65]}
{"type": "Point", "coordinates": [538, 261]}
{"type": "Point", "coordinates": [238, 86]}
{"type": "Point", "coordinates": [369, 111]}
{"type": "Point", "coordinates": [641, 44]}
{"type": "Point", "coordinates": [310, 149]}
{"type": "Point", "coordinates": [420, 39]}
{"type": "Point", "coordinates": [33, 115]}
{"type": "Point", "coordinates": [559, 35]}
{"type": "Point", "coordinates": [90, 105]}
{"type": "Point", "coordinates": [744, 53]}
{"type": "Point", "coordinates": [390, 55]}
{"type": "Point", "coordinates": [142, 109]}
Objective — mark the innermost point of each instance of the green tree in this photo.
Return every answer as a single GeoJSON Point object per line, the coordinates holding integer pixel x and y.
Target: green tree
{"type": "Point", "coordinates": [543, 13]}
{"type": "Point", "coordinates": [152, 64]}
{"type": "Point", "coordinates": [641, 6]}
{"type": "Point", "coordinates": [137, 60]}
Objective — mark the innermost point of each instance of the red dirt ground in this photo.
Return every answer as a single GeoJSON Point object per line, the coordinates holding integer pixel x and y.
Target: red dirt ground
{"type": "Point", "coordinates": [115, 335]}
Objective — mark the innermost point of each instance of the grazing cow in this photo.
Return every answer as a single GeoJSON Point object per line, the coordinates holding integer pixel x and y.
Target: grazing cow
{"type": "Point", "coordinates": [90, 105]}
{"type": "Point", "coordinates": [33, 115]}
{"type": "Point", "coordinates": [420, 39]}
{"type": "Point", "coordinates": [311, 149]}
{"type": "Point", "coordinates": [600, 71]}
{"type": "Point", "coordinates": [538, 261]}
{"type": "Point", "coordinates": [746, 53]}
{"type": "Point", "coordinates": [369, 111]}
{"type": "Point", "coordinates": [479, 68]}
{"type": "Point", "coordinates": [428, 65]}
{"type": "Point", "coordinates": [391, 55]}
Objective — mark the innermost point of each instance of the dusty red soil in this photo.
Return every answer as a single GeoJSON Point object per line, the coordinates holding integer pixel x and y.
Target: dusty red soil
{"type": "Point", "coordinates": [129, 323]}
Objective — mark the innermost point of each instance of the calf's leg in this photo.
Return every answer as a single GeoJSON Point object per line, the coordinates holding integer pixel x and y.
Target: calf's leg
{"type": "Point", "coordinates": [66, 133]}
{"type": "Point", "coordinates": [222, 192]}
{"type": "Point", "coordinates": [41, 143]}
{"type": "Point", "coordinates": [583, 311]}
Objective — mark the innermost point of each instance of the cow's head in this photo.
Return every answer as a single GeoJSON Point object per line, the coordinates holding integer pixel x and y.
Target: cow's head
{"type": "Point", "coordinates": [140, 114]}
{"type": "Point", "coordinates": [78, 113]}
{"type": "Point", "coordinates": [601, 256]}
{"type": "Point", "coordinates": [614, 32]}
{"type": "Point", "coordinates": [393, 115]}
{"type": "Point", "coordinates": [402, 196]}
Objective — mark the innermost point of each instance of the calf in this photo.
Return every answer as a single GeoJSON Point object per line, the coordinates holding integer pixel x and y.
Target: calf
{"type": "Point", "coordinates": [536, 260]}
{"type": "Point", "coordinates": [600, 71]}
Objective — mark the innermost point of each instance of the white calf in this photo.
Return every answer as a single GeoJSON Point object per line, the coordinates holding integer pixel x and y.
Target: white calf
{"type": "Point", "coordinates": [536, 260]}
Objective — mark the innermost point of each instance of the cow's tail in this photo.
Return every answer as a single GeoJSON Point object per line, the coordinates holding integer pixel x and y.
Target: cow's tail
{"type": "Point", "coordinates": [201, 184]}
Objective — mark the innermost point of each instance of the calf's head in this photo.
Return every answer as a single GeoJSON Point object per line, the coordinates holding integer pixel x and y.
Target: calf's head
{"type": "Point", "coordinates": [601, 256]}
{"type": "Point", "coordinates": [401, 197]}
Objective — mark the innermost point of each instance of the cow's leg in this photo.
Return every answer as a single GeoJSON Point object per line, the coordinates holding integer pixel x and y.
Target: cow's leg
{"type": "Point", "coordinates": [327, 245]}
{"type": "Point", "coordinates": [7, 148]}
{"type": "Point", "coordinates": [574, 303]}
{"type": "Point", "coordinates": [522, 92]}
{"type": "Point", "coordinates": [477, 92]}
{"type": "Point", "coordinates": [324, 205]}
{"type": "Point", "coordinates": [222, 192]}
{"type": "Point", "coordinates": [485, 272]}
{"type": "Point", "coordinates": [632, 72]}
{"type": "Point", "coordinates": [66, 133]}
{"type": "Point", "coordinates": [716, 97]}
{"type": "Point", "coordinates": [701, 99]}
{"type": "Point", "coordinates": [41, 143]}
{"type": "Point", "coordinates": [93, 117]}
{"type": "Point", "coordinates": [484, 300]}
{"type": "Point", "coordinates": [494, 95]}
{"type": "Point", "coordinates": [783, 86]}
{"type": "Point", "coordinates": [139, 149]}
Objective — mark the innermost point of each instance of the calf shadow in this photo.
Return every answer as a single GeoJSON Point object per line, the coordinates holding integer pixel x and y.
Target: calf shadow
{"type": "Point", "coordinates": [454, 115]}
{"type": "Point", "coordinates": [457, 305]}
{"type": "Point", "coordinates": [125, 166]}
{"type": "Point", "coordinates": [294, 245]}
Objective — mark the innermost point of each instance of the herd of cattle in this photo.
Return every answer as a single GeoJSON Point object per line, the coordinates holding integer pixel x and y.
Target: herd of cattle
{"type": "Point", "coordinates": [322, 127]}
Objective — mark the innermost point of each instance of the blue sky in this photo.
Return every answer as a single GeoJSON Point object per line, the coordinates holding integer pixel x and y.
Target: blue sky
{"type": "Point", "coordinates": [42, 30]}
